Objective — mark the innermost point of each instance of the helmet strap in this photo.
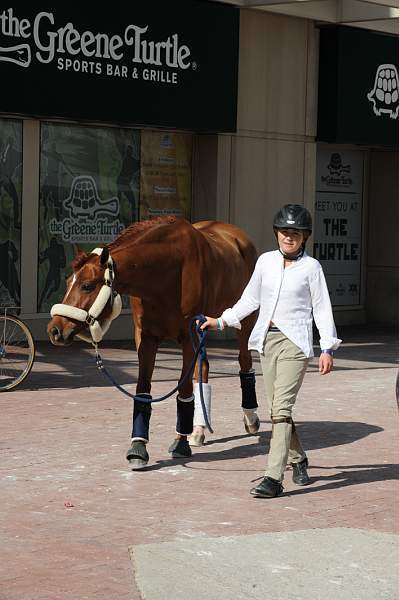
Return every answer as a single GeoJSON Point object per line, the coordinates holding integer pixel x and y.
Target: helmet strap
{"type": "Point", "coordinates": [293, 258]}
{"type": "Point", "coordinates": [296, 256]}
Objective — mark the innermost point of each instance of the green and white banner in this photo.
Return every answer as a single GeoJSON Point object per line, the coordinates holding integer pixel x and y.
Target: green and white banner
{"type": "Point", "coordinates": [89, 192]}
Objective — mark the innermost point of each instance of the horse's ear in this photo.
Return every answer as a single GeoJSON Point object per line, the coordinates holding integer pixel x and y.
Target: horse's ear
{"type": "Point", "coordinates": [104, 255]}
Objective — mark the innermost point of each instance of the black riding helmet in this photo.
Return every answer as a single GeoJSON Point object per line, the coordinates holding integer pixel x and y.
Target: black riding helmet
{"type": "Point", "coordinates": [293, 216]}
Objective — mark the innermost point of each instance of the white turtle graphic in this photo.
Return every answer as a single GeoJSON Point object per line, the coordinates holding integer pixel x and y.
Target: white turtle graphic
{"type": "Point", "coordinates": [84, 200]}
{"type": "Point", "coordinates": [385, 94]}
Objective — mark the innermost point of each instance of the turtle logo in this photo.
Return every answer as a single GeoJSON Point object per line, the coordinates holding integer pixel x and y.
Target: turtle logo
{"type": "Point", "coordinates": [385, 93]}
{"type": "Point", "coordinates": [84, 201]}
{"type": "Point", "coordinates": [336, 167]}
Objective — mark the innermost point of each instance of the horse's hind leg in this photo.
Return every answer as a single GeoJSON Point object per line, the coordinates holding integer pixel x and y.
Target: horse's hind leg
{"type": "Point", "coordinates": [137, 454]}
{"type": "Point", "coordinates": [247, 378]}
{"type": "Point", "coordinates": [197, 438]}
{"type": "Point", "coordinates": [184, 406]}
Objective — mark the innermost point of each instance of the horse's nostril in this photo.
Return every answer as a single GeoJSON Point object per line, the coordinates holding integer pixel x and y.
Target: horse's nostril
{"type": "Point", "coordinates": [55, 334]}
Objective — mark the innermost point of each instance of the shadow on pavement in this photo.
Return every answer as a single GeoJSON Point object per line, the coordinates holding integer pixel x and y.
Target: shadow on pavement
{"type": "Point", "coordinates": [314, 435]}
{"type": "Point", "coordinates": [349, 475]}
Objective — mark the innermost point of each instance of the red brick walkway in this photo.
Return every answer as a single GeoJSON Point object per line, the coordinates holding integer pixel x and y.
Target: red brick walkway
{"type": "Point", "coordinates": [70, 506]}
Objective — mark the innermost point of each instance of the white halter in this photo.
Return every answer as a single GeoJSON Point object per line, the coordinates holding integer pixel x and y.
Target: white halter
{"type": "Point", "coordinates": [97, 329]}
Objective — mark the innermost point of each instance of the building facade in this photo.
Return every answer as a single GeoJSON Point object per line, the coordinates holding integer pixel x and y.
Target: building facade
{"type": "Point", "coordinates": [208, 110]}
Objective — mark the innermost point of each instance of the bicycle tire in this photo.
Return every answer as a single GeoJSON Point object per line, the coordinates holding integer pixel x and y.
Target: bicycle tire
{"type": "Point", "coordinates": [17, 352]}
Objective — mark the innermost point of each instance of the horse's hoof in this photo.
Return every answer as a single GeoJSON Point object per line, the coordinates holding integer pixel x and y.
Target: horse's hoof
{"type": "Point", "coordinates": [252, 429]}
{"type": "Point", "coordinates": [196, 440]}
{"type": "Point", "coordinates": [137, 455]}
{"type": "Point", "coordinates": [137, 463]}
{"type": "Point", "coordinates": [180, 449]}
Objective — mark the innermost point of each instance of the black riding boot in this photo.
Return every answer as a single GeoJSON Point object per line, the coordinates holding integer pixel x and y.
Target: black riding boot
{"type": "Point", "coordinates": [299, 473]}
{"type": "Point", "coordinates": [268, 488]}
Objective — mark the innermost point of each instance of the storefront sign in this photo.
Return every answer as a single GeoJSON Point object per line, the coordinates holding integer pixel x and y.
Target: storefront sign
{"type": "Point", "coordinates": [358, 87]}
{"type": "Point", "coordinates": [338, 223]}
{"type": "Point", "coordinates": [171, 64]}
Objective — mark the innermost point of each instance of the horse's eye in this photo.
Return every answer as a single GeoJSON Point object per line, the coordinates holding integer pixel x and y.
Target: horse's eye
{"type": "Point", "coordinates": [87, 286]}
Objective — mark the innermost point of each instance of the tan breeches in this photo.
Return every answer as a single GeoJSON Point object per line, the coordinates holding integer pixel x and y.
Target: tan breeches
{"type": "Point", "coordinates": [284, 366]}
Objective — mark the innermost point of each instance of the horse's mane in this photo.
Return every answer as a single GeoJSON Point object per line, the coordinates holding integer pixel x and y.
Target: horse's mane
{"type": "Point", "coordinates": [128, 235]}
{"type": "Point", "coordinates": [131, 233]}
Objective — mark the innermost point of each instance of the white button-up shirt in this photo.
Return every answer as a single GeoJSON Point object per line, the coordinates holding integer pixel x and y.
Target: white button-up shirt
{"type": "Point", "coordinates": [291, 298]}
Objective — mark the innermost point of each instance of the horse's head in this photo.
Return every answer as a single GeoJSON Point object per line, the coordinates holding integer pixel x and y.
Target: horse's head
{"type": "Point", "coordinates": [89, 303]}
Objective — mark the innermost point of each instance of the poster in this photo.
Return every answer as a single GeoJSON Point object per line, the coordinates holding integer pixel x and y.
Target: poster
{"type": "Point", "coordinates": [10, 211]}
{"type": "Point", "coordinates": [338, 223]}
{"type": "Point", "coordinates": [89, 192]}
{"type": "Point", "coordinates": [165, 174]}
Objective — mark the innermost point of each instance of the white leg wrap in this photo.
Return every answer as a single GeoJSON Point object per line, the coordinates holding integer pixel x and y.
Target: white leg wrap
{"type": "Point", "coordinates": [199, 418]}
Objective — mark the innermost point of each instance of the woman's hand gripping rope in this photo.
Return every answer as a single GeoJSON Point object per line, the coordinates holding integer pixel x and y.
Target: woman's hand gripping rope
{"type": "Point", "coordinates": [212, 324]}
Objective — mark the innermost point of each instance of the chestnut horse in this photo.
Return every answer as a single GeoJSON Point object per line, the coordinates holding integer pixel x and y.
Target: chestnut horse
{"type": "Point", "coordinates": [172, 270]}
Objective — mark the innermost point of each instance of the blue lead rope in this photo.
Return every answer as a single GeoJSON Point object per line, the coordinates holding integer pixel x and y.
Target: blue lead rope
{"type": "Point", "coordinates": [199, 353]}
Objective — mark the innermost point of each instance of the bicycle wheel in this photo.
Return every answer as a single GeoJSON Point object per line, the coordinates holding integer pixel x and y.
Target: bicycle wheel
{"type": "Point", "coordinates": [17, 352]}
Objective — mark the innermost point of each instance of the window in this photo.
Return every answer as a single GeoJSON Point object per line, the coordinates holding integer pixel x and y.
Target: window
{"type": "Point", "coordinates": [89, 192]}
{"type": "Point", "coordinates": [10, 211]}
{"type": "Point", "coordinates": [94, 182]}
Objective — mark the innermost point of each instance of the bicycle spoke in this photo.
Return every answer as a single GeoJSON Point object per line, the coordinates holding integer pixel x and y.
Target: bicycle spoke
{"type": "Point", "coordinates": [17, 352]}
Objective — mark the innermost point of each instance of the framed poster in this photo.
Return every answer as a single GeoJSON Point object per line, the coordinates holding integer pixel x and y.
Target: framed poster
{"type": "Point", "coordinates": [165, 174]}
{"type": "Point", "coordinates": [338, 222]}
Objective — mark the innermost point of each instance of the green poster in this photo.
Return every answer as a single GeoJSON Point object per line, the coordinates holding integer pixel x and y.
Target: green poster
{"type": "Point", "coordinates": [89, 192]}
{"type": "Point", "coordinates": [165, 174]}
{"type": "Point", "coordinates": [10, 211]}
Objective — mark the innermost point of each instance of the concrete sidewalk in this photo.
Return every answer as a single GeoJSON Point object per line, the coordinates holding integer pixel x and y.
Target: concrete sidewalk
{"type": "Point", "coordinates": [77, 523]}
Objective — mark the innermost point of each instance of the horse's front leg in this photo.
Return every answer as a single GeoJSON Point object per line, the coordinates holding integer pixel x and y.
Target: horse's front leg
{"type": "Point", "coordinates": [247, 378]}
{"type": "Point", "coordinates": [184, 406]}
{"type": "Point", "coordinates": [137, 454]}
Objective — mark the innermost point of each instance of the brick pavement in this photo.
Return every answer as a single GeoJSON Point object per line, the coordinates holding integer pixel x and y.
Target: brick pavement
{"type": "Point", "coordinates": [64, 434]}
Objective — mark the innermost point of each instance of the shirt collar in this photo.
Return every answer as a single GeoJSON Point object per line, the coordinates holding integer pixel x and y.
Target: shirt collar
{"type": "Point", "coordinates": [281, 257]}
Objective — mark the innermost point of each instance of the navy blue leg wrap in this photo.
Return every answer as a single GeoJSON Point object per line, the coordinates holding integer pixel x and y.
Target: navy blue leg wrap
{"type": "Point", "coordinates": [141, 419]}
{"type": "Point", "coordinates": [248, 390]}
{"type": "Point", "coordinates": [185, 417]}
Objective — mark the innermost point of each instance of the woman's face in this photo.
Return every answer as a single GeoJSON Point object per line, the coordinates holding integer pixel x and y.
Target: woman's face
{"type": "Point", "coordinates": [290, 240]}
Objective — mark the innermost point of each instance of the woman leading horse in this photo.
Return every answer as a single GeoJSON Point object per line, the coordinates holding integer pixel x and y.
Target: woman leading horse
{"type": "Point", "coordinates": [172, 270]}
{"type": "Point", "coordinates": [289, 289]}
